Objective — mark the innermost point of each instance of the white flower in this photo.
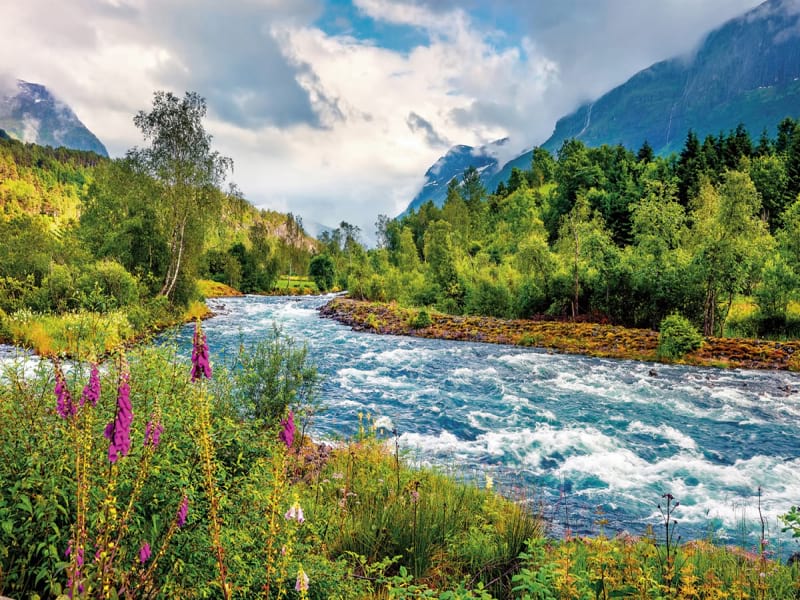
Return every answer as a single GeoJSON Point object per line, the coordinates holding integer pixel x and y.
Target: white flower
{"type": "Point", "coordinates": [301, 585]}
{"type": "Point", "coordinates": [295, 513]}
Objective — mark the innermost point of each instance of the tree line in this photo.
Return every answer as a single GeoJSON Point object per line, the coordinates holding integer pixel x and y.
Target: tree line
{"type": "Point", "coordinates": [82, 232]}
{"type": "Point", "coordinates": [603, 233]}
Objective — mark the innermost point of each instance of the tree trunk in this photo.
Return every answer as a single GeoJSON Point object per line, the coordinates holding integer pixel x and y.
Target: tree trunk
{"type": "Point", "coordinates": [577, 284]}
{"type": "Point", "coordinates": [709, 312]}
{"type": "Point", "coordinates": [175, 261]}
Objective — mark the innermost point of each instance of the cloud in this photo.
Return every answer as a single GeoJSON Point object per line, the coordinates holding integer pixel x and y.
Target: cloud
{"type": "Point", "coordinates": [338, 126]}
{"type": "Point", "coordinates": [417, 123]}
{"type": "Point", "coordinates": [231, 52]}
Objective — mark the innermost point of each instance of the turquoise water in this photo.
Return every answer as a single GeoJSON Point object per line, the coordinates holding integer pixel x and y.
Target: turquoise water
{"type": "Point", "coordinates": [572, 433]}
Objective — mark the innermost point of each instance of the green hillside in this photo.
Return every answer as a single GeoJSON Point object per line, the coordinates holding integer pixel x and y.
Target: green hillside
{"type": "Point", "coordinates": [747, 71]}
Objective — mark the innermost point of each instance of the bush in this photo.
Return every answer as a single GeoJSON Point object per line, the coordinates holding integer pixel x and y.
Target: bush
{"type": "Point", "coordinates": [275, 375]}
{"type": "Point", "coordinates": [322, 270]}
{"type": "Point", "coordinates": [107, 285]}
{"type": "Point", "coordinates": [677, 337]}
{"type": "Point", "coordinates": [487, 297]}
{"type": "Point", "coordinates": [421, 319]}
{"type": "Point", "coordinates": [59, 288]}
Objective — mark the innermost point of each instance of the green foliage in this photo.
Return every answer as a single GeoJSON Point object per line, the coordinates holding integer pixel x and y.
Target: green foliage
{"type": "Point", "coordinates": [106, 285]}
{"type": "Point", "coordinates": [677, 337]}
{"type": "Point", "coordinates": [604, 233]}
{"type": "Point", "coordinates": [273, 376]}
{"type": "Point", "coordinates": [188, 174]}
{"type": "Point", "coordinates": [487, 296]}
{"type": "Point", "coordinates": [421, 319]}
{"type": "Point", "coordinates": [322, 270]}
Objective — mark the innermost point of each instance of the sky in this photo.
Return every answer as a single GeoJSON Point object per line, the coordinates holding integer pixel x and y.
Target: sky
{"type": "Point", "coordinates": [334, 109]}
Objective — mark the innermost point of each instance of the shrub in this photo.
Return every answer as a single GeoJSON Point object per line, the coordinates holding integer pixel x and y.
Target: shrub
{"type": "Point", "coordinates": [487, 297]}
{"type": "Point", "coordinates": [275, 375]}
{"type": "Point", "coordinates": [421, 319]}
{"type": "Point", "coordinates": [107, 285]}
{"type": "Point", "coordinates": [322, 270]}
{"type": "Point", "coordinates": [677, 337]}
{"type": "Point", "coordinates": [59, 288]}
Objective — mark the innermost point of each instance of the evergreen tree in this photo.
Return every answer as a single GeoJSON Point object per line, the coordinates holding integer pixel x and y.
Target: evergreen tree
{"type": "Point", "coordinates": [645, 153]}
{"type": "Point", "coordinates": [689, 169]}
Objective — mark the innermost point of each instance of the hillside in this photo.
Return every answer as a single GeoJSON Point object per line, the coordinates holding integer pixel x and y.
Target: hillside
{"type": "Point", "coordinates": [746, 71]}
{"type": "Point", "coordinates": [453, 164]}
{"type": "Point", "coordinates": [31, 113]}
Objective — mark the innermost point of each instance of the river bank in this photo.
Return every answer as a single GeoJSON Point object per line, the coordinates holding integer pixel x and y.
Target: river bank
{"type": "Point", "coordinates": [590, 339]}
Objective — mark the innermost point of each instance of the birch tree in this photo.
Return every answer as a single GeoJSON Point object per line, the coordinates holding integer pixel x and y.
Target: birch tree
{"type": "Point", "coordinates": [187, 172]}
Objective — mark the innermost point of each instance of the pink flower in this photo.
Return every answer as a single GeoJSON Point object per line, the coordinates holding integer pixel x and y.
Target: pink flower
{"type": "Point", "coordinates": [152, 434]}
{"type": "Point", "coordinates": [201, 367]}
{"type": "Point", "coordinates": [144, 553]}
{"type": "Point", "coordinates": [183, 512]}
{"type": "Point", "coordinates": [64, 405]}
{"type": "Point", "coordinates": [91, 393]}
{"type": "Point", "coordinates": [118, 432]}
{"type": "Point", "coordinates": [295, 513]}
{"type": "Point", "coordinates": [301, 585]}
{"type": "Point", "coordinates": [287, 433]}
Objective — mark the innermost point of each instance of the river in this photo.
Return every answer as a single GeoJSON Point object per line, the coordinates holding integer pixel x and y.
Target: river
{"type": "Point", "coordinates": [574, 435]}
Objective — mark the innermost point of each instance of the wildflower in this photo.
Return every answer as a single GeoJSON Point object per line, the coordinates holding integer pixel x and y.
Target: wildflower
{"type": "Point", "coordinates": [414, 496]}
{"type": "Point", "coordinates": [183, 511]}
{"type": "Point", "coordinates": [301, 585]}
{"type": "Point", "coordinates": [489, 482]}
{"type": "Point", "coordinates": [91, 393]}
{"type": "Point", "coordinates": [287, 433]}
{"type": "Point", "coordinates": [144, 553]}
{"type": "Point", "coordinates": [201, 367]}
{"type": "Point", "coordinates": [152, 434]}
{"type": "Point", "coordinates": [118, 432]}
{"type": "Point", "coordinates": [64, 405]}
{"type": "Point", "coordinates": [295, 513]}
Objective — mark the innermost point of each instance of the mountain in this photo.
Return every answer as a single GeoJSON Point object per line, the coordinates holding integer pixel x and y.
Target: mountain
{"type": "Point", "coordinates": [458, 158]}
{"type": "Point", "coordinates": [746, 71]}
{"type": "Point", "coordinates": [30, 113]}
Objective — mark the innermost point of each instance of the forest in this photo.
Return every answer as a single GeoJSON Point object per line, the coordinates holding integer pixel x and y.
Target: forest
{"type": "Point", "coordinates": [117, 246]}
{"type": "Point", "coordinates": [604, 234]}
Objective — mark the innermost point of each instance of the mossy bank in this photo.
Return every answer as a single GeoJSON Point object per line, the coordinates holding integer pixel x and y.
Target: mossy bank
{"type": "Point", "coordinates": [591, 339]}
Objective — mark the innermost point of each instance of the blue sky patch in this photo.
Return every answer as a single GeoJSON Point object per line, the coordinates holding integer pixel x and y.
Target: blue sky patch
{"type": "Point", "coordinates": [342, 18]}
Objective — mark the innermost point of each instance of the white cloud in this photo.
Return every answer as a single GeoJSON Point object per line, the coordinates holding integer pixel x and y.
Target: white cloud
{"type": "Point", "coordinates": [319, 124]}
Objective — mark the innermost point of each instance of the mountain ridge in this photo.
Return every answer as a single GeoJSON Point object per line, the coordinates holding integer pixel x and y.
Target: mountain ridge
{"type": "Point", "coordinates": [452, 164]}
{"type": "Point", "coordinates": [31, 113]}
{"type": "Point", "coordinates": [746, 71]}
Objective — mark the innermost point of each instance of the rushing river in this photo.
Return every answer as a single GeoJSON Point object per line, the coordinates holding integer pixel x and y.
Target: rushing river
{"type": "Point", "coordinates": [572, 433]}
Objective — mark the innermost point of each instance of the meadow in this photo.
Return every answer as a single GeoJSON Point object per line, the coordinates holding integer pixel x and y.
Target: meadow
{"type": "Point", "coordinates": [151, 477]}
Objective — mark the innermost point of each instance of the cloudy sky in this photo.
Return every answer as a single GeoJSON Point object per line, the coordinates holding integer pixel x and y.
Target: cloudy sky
{"type": "Point", "coordinates": [334, 109]}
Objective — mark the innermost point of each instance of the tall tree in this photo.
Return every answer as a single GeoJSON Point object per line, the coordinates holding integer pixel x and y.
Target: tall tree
{"type": "Point", "coordinates": [729, 239]}
{"type": "Point", "coordinates": [187, 171]}
{"type": "Point", "coordinates": [582, 245]}
{"type": "Point", "coordinates": [690, 167]}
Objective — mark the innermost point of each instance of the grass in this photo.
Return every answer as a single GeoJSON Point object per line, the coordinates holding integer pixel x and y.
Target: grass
{"type": "Point", "coordinates": [80, 334]}
{"type": "Point", "coordinates": [373, 526]}
{"type": "Point", "coordinates": [91, 335]}
{"type": "Point", "coordinates": [295, 285]}
{"type": "Point", "coordinates": [215, 289]}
